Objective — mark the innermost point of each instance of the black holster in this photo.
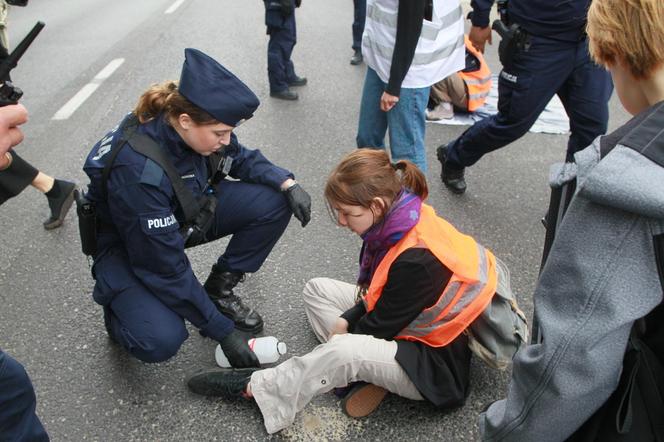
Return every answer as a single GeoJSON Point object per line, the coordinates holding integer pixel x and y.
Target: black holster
{"type": "Point", "coordinates": [87, 223]}
{"type": "Point", "coordinates": [512, 40]}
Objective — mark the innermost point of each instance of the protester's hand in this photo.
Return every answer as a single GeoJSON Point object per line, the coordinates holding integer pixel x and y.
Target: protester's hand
{"type": "Point", "coordinates": [299, 202]}
{"type": "Point", "coordinates": [10, 135]}
{"type": "Point", "coordinates": [340, 328]}
{"type": "Point", "coordinates": [388, 101]}
{"type": "Point", "coordinates": [237, 351]}
{"type": "Point", "coordinates": [479, 36]}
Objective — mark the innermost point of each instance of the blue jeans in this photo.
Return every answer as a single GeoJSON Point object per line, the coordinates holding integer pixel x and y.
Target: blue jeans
{"type": "Point", "coordinates": [406, 121]}
{"type": "Point", "coordinates": [549, 67]}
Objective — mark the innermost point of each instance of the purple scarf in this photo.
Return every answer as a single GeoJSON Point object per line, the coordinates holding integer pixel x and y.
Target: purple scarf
{"type": "Point", "coordinates": [402, 216]}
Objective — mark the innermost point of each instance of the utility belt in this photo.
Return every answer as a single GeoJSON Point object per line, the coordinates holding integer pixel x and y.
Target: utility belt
{"type": "Point", "coordinates": [198, 211]}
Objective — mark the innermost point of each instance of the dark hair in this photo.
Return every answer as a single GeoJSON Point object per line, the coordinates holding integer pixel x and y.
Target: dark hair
{"type": "Point", "coordinates": [365, 174]}
{"type": "Point", "coordinates": [165, 98]}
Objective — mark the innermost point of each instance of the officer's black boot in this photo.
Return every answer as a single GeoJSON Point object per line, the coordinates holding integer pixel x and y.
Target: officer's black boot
{"type": "Point", "coordinates": [452, 178]}
{"type": "Point", "coordinates": [219, 286]}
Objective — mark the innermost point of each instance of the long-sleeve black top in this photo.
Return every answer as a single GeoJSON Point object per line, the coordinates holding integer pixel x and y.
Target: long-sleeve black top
{"type": "Point", "coordinates": [415, 281]}
{"type": "Point", "coordinates": [409, 28]}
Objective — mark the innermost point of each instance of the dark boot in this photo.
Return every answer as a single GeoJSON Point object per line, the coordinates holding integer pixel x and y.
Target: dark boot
{"type": "Point", "coordinates": [219, 286]}
{"type": "Point", "coordinates": [226, 382]}
{"type": "Point", "coordinates": [297, 81]}
{"type": "Point", "coordinates": [452, 178]}
{"type": "Point", "coordinates": [286, 94]}
{"type": "Point", "coordinates": [356, 58]}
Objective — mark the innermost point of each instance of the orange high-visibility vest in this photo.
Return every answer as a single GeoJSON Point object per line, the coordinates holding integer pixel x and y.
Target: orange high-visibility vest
{"type": "Point", "coordinates": [464, 298]}
{"type": "Point", "coordinates": [477, 82]}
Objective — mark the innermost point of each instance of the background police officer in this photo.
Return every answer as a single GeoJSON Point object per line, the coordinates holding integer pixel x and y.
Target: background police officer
{"type": "Point", "coordinates": [280, 22]}
{"type": "Point", "coordinates": [551, 58]}
{"type": "Point", "coordinates": [143, 277]}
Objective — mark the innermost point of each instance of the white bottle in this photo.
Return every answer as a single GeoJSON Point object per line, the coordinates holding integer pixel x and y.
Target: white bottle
{"type": "Point", "coordinates": [268, 349]}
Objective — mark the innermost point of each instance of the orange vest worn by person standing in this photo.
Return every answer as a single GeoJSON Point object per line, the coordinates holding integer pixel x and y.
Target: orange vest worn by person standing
{"type": "Point", "coordinates": [478, 82]}
{"type": "Point", "coordinates": [467, 294]}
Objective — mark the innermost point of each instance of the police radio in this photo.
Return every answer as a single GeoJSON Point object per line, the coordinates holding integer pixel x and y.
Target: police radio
{"type": "Point", "coordinates": [10, 94]}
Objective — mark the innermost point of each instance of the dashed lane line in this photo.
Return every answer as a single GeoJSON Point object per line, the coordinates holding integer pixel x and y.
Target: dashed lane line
{"type": "Point", "coordinates": [173, 7]}
{"type": "Point", "coordinates": [86, 91]}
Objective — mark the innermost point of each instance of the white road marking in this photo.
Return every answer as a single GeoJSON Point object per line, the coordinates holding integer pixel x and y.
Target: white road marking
{"type": "Point", "coordinates": [70, 107]}
{"type": "Point", "coordinates": [174, 6]}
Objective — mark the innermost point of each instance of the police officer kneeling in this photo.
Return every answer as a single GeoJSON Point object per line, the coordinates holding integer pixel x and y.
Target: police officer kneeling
{"type": "Point", "coordinates": [156, 185]}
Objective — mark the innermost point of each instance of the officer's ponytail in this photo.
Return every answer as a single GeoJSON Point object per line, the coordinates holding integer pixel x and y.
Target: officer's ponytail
{"type": "Point", "coordinates": [165, 98]}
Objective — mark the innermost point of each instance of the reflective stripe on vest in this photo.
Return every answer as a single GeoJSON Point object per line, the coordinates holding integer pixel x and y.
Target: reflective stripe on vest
{"type": "Point", "coordinates": [478, 82]}
{"type": "Point", "coordinates": [467, 294]}
{"type": "Point", "coordinates": [439, 50]}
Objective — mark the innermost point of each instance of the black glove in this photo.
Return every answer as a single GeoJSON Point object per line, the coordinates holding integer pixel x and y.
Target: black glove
{"type": "Point", "coordinates": [300, 203]}
{"type": "Point", "coordinates": [237, 351]}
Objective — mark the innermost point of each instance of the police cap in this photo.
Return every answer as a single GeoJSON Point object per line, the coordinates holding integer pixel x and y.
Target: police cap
{"type": "Point", "coordinates": [213, 88]}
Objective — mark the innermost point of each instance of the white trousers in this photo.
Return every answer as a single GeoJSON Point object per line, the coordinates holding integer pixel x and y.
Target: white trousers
{"type": "Point", "coordinates": [282, 391]}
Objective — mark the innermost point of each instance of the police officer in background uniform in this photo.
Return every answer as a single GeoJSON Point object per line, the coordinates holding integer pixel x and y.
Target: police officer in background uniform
{"type": "Point", "coordinates": [280, 22]}
{"type": "Point", "coordinates": [549, 56]}
{"type": "Point", "coordinates": [143, 277]}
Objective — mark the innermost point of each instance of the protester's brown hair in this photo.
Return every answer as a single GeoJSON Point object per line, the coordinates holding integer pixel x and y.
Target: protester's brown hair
{"type": "Point", "coordinates": [365, 174]}
{"type": "Point", "coordinates": [627, 31]}
{"type": "Point", "coordinates": [165, 98]}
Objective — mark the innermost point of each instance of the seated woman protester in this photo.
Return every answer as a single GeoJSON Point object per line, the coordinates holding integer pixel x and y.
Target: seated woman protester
{"type": "Point", "coordinates": [144, 280]}
{"type": "Point", "coordinates": [421, 283]}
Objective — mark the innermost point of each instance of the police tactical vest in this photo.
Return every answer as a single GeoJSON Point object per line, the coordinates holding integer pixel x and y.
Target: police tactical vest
{"type": "Point", "coordinates": [467, 294]}
{"type": "Point", "coordinates": [440, 49]}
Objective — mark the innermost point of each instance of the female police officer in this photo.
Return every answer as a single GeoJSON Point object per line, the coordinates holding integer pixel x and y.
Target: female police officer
{"type": "Point", "coordinates": [143, 277]}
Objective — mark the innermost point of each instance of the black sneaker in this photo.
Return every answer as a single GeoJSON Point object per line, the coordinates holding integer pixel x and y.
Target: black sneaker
{"type": "Point", "coordinates": [60, 205]}
{"type": "Point", "coordinates": [451, 177]}
{"type": "Point", "coordinates": [224, 382]}
{"type": "Point", "coordinates": [297, 81]}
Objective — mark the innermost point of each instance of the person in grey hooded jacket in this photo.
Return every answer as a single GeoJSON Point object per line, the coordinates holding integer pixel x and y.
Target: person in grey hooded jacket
{"type": "Point", "coordinates": [601, 274]}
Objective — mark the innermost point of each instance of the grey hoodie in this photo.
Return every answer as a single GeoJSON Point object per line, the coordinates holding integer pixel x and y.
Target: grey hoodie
{"type": "Point", "coordinates": [600, 276]}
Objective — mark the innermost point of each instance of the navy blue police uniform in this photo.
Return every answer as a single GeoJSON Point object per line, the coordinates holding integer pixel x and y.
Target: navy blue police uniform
{"type": "Point", "coordinates": [18, 421]}
{"type": "Point", "coordinates": [280, 22]}
{"type": "Point", "coordinates": [556, 61]}
{"type": "Point", "coordinates": [143, 277]}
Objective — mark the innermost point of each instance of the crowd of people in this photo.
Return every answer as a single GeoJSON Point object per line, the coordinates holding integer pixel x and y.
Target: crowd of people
{"type": "Point", "coordinates": [157, 186]}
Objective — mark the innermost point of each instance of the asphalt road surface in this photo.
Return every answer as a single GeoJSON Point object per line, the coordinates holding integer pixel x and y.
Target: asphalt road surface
{"type": "Point", "coordinates": [87, 388]}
